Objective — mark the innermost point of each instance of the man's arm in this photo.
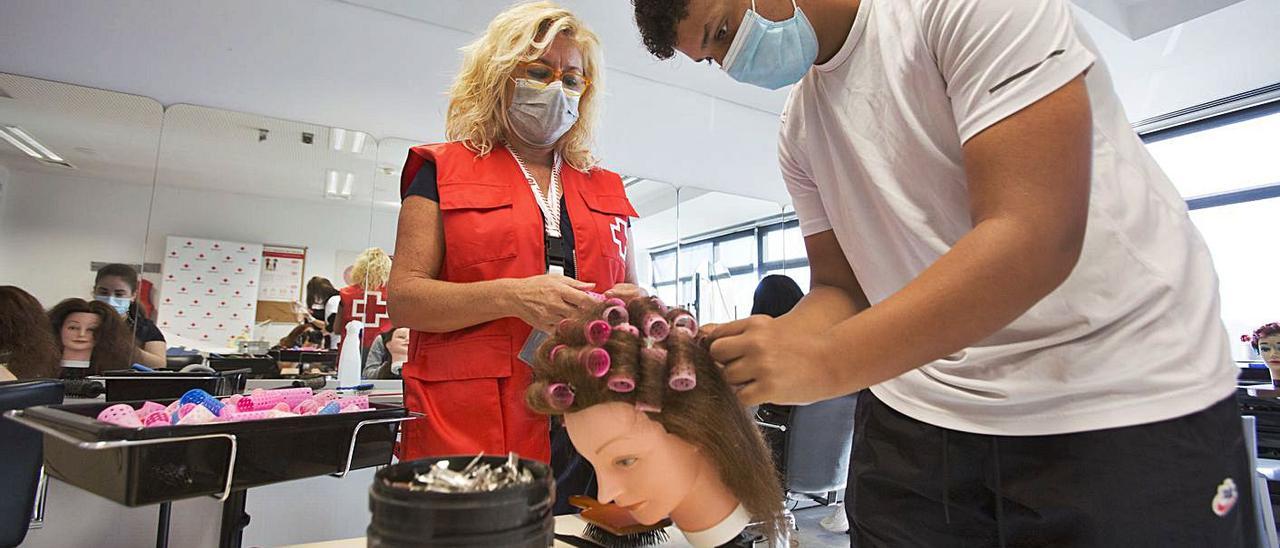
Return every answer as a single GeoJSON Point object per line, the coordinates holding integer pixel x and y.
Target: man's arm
{"type": "Point", "coordinates": [834, 292]}
{"type": "Point", "coordinates": [1029, 181]}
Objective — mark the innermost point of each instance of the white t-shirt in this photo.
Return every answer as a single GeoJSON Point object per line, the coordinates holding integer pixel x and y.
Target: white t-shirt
{"type": "Point", "coordinates": [871, 147]}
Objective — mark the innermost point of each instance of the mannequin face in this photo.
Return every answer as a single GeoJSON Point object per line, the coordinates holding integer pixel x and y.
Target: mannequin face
{"type": "Point", "coordinates": [1269, 349]}
{"type": "Point", "coordinates": [398, 345]}
{"type": "Point", "coordinates": [113, 286]}
{"type": "Point", "coordinates": [640, 466]}
{"type": "Point", "coordinates": [78, 331]}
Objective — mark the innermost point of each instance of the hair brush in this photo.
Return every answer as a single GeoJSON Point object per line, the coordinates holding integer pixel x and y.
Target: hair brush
{"type": "Point", "coordinates": [611, 526]}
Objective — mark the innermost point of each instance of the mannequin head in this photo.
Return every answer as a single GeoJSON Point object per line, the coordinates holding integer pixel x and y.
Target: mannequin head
{"type": "Point", "coordinates": [398, 344]}
{"type": "Point", "coordinates": [1266, 341]}
{"type": "Point", "coordinates": [656, 418]}
{"type": "Point", "coordinates": [91, 331]}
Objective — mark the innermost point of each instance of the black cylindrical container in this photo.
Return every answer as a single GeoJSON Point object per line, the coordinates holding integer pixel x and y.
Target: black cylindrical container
{"type": "Point", "coordinates": [519, 517]}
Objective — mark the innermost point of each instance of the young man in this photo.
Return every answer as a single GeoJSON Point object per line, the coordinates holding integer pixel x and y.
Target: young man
{"type": "Point", "coordinates": [995, 254]}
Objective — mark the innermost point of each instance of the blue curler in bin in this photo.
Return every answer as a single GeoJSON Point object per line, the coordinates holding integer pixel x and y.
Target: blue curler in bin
{"type": "Point", "coordinates": [331, 408]}
{"type": "Point", "coordinates": [200, 397]}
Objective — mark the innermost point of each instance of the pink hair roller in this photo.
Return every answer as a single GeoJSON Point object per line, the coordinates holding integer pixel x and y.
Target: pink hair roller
{"type": "Point", "coordinates": [564, 326]}
{"type": "Point", "coordinates": [556, 350]}
{"type": "Point", "coordinates": [616, 315]}
{"type": "Point", "coordinates": [326, 397]}
{"type": "Point", "coordinates": [199, 415]}
{"type": "Point", "coordinates": [682, 377]}
{"type": "Point", "coordinates": [687, 323]}
{"type": "Point", "coordinates": [361, 402]}
{"type": "Point", "coordinates": [120, 414]}
{"type": "Point", "coordinates": [597, 296]}
{"type": "Point", "coordinates": [232, 399]}
{"type": "Point", "coordinates": [269, 399]}
{"type": "Point", "coordinates": [282, 406]}
{"type": "Point", "coordinates": [307, 407]}
{"type": "Point", "coordinates": [658, 303]}
{"type": "Point", "coordinates": [614, 301]}
{"type": "Point", "coordinates": [596, 361]}
{"type": "Point", "coordinates": [227, 411]}
{"type": "Point", "coordinates": [147, 409]}
{"type": "Point", "coordinates": [627, 328]}
{"type": "Point", "coordinates": [186, 409]}
{"type": "Point", "coordinates": [256, 416]}
{"type": "Point", "coordinates": [352, 409]}
{"type": "Point", "coordinates": [158, 418]}
{"type": "Point", "coordinates": [621, 384]}
{"type": "Point", "coordinates": [173, 407]}
{"type": "Point", "coordinates": [560, 395]}
{"type": "Point", "coordinates": [598, 332]}
{"type": "Point", "coordinates": [656, 327]}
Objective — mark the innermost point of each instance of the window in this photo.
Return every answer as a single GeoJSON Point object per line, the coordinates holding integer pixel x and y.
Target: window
{"type": "Point", "coordinates": [1221, 158]}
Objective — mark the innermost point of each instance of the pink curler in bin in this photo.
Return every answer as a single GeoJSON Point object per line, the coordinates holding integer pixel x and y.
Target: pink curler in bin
{"type": "Point", "coordinates": [269, 399]}
{"type": "Point", "coordinates": [598, 332]}
{"type": "Point", "coordinates": [307, 407]}
{"type": "Point", "coordinates": [361, 402]}
{"type": "Point", "coordinates": [158, 418]}
{"type": "Point", "coordinates": [256, 416]}
{"type": "Point", "coordinates": [199, 415]}
{"type": "Point", "coordinates": [186, 409]}
{"type": "Point", "coordinates": [326, 397]}
{"type": "Point", "coordinates": [283, 406]}
{"type": "Point", "coordinates": [147, 409]}
{"type": "Point", "coordinates": [596, 361]}
{"type": "Point", "coordinates": [120, 414]}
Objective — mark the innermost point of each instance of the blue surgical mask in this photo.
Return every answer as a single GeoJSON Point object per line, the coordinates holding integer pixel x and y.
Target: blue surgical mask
{"type": "Point", "coordinates": [772, 54]}
{"type": "Point", "coordinates": [121, 304]}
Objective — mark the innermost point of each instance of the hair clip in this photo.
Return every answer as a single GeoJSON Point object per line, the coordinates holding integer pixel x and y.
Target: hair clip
{"type": "Point", "coordinates": [682, 377]}
{"type": "Point", "coordinates": [596, 361]}
{"type": "Point", "coordinates": [598, 332]}
{"type": "Point", "coordinates": [621, 384]}
{"type": "Point", "coordinates": [616, 315]}
{"type": "Point", "coordinates": [560, 395]}
{"type": "Point", "coordinates": [656, 327]}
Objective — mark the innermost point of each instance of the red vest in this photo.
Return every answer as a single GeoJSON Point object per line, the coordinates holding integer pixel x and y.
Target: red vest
{"type": "Point", "coordinates": [470, 383]}
{"type": "Point", "coordinates": [369, 307]}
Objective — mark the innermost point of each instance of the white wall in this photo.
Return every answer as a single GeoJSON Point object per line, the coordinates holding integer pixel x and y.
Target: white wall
{"type": "Point", "coordinates": [52, 227]}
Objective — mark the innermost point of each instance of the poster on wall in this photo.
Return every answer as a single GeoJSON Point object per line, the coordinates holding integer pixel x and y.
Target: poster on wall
{"type": "Point", "coordinates": [209, 289]}
{"type": "Point", "coordinates": [282, 268]}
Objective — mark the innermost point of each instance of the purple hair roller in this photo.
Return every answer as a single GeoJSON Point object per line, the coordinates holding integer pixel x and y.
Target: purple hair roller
{"type": "Point", "coordinates": [656, 327]}
{"type": "Point", "coordinates": [560, 395]}
{"type": "Point", "coordinates": [596, 361]}
{"type": "Point", "coordinates": [598, 332]}
{"type": "Point", "coordinates": [621, 384]}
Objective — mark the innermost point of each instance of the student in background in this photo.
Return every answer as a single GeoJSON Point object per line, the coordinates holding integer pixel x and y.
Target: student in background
{"type": "Point", "coordinates": [319, 291]}
{"type": "Point", "coordinates": [117, 286]}
{"type": "Point", "coordinates": [91, 337]}
{"type": "Point", "coordinates": [27, 350]}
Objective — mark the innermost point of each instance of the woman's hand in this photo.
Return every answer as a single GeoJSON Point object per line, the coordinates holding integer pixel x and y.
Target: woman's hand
{"type": "Point", "coordinates": [626, 292]}
{"type": "Point", "coordinates": [543, 301]}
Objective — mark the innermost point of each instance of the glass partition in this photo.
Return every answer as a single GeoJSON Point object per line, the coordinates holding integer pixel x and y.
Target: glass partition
{"type": "Point", "coordinates": [77, 170]}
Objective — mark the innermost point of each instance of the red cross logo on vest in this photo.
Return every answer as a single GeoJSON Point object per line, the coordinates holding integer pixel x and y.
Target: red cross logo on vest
{"type": "Point", "coordinates": [371, 309]}
{"type": "Point", "coordinates": [619, 230]}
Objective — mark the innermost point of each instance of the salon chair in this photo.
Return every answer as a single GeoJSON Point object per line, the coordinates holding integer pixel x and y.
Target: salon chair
{"type": "Point", "coordinates": [20, 471]}
{"type": "Point", "coordinates": [818, 439]}
{"type": "Point", "coordinates": [1263, 519]}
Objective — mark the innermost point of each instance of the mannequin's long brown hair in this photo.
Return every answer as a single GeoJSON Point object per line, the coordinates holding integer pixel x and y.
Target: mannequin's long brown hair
{"type": "Point", "coordinates": [707, 415]}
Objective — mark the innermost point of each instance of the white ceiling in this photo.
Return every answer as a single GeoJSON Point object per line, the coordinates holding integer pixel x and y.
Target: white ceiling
{"type": "Point", "coordinates": [383, 66]}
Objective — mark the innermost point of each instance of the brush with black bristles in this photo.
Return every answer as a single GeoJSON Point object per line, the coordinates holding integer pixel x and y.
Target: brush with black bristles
{"type": "Point", "coordinates": [610, 526]}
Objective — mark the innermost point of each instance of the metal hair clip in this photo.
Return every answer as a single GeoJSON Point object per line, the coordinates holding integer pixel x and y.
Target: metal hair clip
{"type": "Point", "coordinates": [474, 477]}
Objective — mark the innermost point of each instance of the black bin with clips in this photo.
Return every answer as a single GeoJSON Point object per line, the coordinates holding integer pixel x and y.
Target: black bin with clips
{"type": "Point", "coordinates": [141, 466]}
{"type": "Point", "coordinates": [128, 385]}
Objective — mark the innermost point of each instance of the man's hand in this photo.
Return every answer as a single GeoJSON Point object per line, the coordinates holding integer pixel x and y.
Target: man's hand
{"type": "Point", "coordinates": [768, 362]}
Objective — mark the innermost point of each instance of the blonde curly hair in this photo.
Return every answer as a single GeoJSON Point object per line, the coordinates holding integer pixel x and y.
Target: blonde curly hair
{"type": "Point", "coordinates": [372, 268]}
{"type": "Point", "coordinates": [477, 100]}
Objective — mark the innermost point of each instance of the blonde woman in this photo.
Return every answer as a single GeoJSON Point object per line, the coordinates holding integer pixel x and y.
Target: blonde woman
{"type": "Point", "coordinates": [366, 298]}
{"type": "Point", "coordinates": [503, 230]}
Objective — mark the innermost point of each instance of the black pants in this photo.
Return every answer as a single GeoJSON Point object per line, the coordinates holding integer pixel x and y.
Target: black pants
{"type": "Point", "coordinates": [1161, 484]}
{"type": "Point", "coordinates": [574, 475]}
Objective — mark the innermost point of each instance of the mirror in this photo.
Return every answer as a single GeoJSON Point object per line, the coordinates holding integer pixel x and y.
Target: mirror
{"type": "Point", "coordinates": [720, 258]}
{"type": "Point", "coordinates": [248, 209]}
{"type": "Point", "coordinates": [76, 182]}
{"type": "Point", "coordinates": [653, 235]}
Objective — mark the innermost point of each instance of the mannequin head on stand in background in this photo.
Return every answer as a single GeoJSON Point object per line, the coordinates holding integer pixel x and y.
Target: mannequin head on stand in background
{"type": "Point", "coordinates": [1266, 342]}
{"type": "Point", "coordinates": [651, 411]}
{"type": "Point", "coordinates": [91, 336]}
{"type": "Point", "coordinates": [27, 348]}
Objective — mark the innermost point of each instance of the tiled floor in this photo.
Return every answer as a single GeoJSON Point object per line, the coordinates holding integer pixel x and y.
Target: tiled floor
{"type": "Point", "coordinates": [812, 535]}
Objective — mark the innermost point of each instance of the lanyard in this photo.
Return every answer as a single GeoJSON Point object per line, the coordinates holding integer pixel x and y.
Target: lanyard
{"type": "Point", "coordinates": [549, 204]}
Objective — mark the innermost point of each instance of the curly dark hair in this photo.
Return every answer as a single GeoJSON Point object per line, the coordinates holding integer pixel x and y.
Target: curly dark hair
{"type": "Point", "coordinates": [113, 341]}
{"type": "Point", "coordinates": [657, 20]}
{"type": "Point", "coordinates": [27, 348]}
{"type": "Point", "coordinates": [1264, 331]}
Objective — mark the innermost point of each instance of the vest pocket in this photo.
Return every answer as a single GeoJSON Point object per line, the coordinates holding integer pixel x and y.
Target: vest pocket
{"type": "Point", "coordinates": [610, 215]}
{"type": "Point", "coordinates": [477, 357]}
{"type": "Point", "coordinates": [479, 224]}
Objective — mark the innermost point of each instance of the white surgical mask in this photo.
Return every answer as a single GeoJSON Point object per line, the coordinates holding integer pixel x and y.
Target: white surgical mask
{"type": "Point", "coordinates": [540, 114]}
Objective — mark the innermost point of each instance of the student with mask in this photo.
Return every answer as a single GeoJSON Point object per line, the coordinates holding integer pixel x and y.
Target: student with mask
{"type": "Point", "coordinates": [502, 231]}
{"type": "Point", "coordinates": [117, 285]}
{"type": "Point", "coordinates": [991, 247]}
